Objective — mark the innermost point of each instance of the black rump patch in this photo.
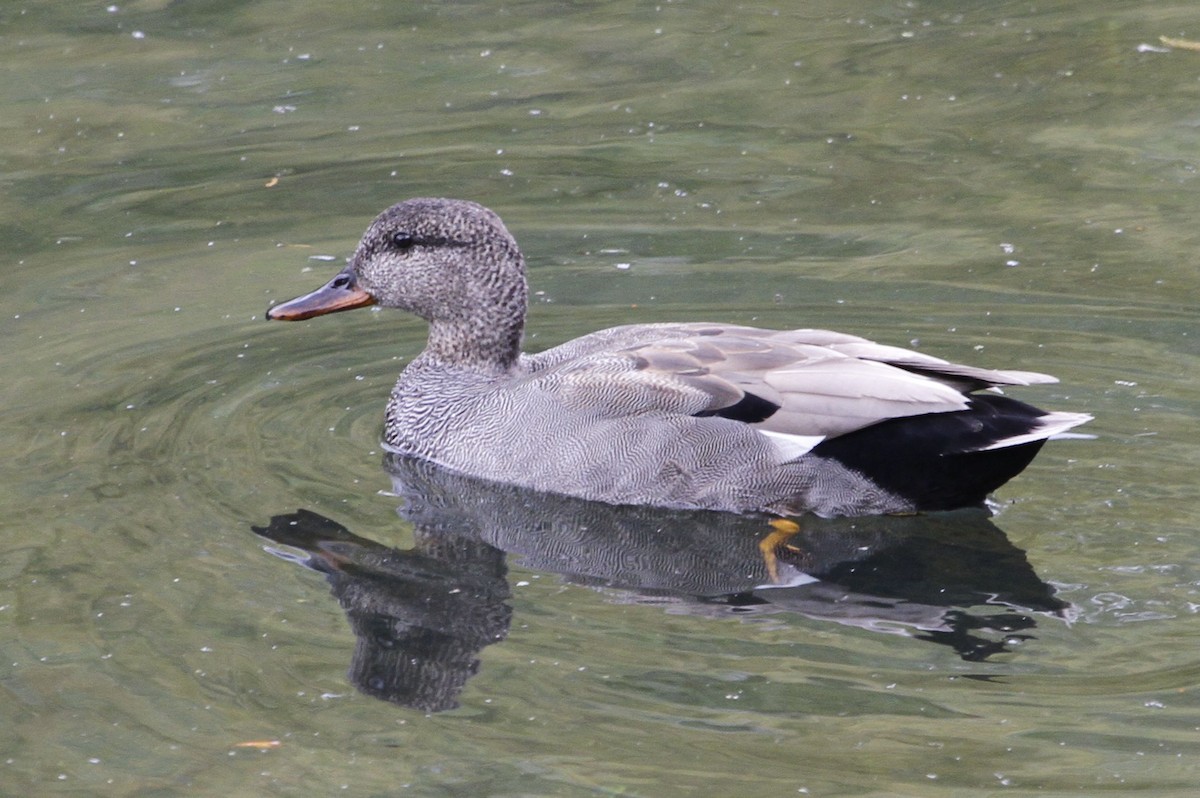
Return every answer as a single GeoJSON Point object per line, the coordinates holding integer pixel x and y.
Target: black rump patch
{"type": "Point", "coordinates": [940, 461]}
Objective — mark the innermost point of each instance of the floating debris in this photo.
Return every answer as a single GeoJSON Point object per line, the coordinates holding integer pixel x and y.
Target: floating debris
{"type": "Point", "coordinates": [1180, 44]}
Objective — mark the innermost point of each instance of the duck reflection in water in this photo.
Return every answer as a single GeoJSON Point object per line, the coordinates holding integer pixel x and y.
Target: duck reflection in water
{"type": "Point", "coordinates": [421, 617]}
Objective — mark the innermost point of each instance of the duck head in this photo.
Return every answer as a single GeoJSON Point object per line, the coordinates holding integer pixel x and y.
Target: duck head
{"type": "Point", "coordinates": [451, 262]}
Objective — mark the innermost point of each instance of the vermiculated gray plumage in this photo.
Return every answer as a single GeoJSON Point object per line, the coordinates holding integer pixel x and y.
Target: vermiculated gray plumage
{"type": "Point", "coordinates": [698, 415]}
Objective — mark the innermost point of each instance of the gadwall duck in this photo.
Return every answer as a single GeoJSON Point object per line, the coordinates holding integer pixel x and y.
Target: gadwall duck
{"type": "Point", "coordinates": [711, 416]}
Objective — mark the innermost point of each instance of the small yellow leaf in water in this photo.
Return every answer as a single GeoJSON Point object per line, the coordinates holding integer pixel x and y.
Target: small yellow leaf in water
{"type": "Point", "coordinates": [262, 745]}
{"type": "Point", "coordinates": [274, 181]}
{"type": "Point", "coordinates": [1180, 44]}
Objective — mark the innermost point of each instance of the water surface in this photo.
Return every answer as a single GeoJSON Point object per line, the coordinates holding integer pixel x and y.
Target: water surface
{"type": "Point", "coordinates": [1011, 184]}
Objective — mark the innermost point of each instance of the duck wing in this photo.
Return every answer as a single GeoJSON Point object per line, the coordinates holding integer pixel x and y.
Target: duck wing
{"type": "Point", "coordinates": [807, 383]}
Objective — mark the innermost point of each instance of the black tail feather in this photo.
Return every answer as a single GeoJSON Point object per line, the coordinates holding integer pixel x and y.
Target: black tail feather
{"type": "Point", "coordinates": [940, 461]}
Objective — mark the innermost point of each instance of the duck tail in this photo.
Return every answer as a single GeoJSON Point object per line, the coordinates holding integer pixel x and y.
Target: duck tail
{"type": "Point", "coordinates": [943, 461]}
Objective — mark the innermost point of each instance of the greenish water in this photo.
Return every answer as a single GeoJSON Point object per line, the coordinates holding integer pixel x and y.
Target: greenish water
{"type": "Point", "coordinates": [1008, 184]}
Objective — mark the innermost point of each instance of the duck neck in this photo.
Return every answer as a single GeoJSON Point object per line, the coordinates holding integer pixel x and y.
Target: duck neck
{"type": "Point", "coordinates": [480, 328]}
{"type": "Point", "coordinates": [482, 345]}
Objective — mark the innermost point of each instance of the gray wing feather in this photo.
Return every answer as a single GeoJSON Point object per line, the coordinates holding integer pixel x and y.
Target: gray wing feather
{"type": "Point", "coordinates": [823, 383]}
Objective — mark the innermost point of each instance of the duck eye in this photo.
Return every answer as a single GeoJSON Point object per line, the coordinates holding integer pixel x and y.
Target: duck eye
{"type": "Point", "coordinates": [403, 241]}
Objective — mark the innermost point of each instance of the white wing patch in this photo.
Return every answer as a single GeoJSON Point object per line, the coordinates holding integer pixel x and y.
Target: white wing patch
{"type": "Point", "coordinates": [791, 446]}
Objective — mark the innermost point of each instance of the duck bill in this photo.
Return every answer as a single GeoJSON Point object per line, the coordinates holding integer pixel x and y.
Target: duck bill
{"type": "Point", "coordinates": [340, 293]}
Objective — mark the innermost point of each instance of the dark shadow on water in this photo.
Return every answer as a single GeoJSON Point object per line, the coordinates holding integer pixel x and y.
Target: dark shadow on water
{"type": "Point", "coordinates": [422, 616]}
